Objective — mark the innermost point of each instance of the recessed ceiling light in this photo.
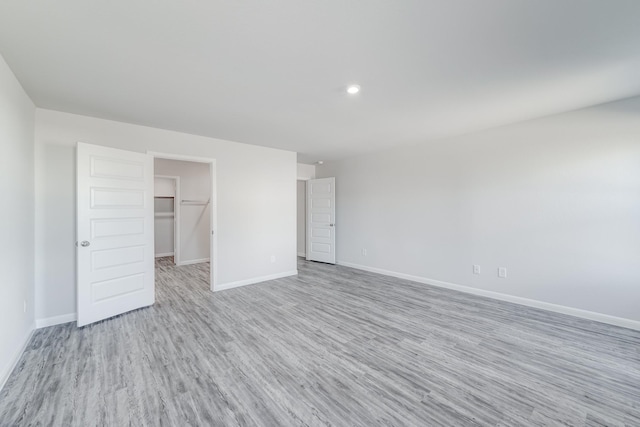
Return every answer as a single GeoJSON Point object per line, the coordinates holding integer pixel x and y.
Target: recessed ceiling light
{"type": "Point", "coordinates": [353, 89]}
{"type": "Point", "coordinates": [320, 162]}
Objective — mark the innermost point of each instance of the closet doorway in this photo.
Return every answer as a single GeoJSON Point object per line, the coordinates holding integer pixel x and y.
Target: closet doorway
{"type": "Point", "coordinates": [185, 213]}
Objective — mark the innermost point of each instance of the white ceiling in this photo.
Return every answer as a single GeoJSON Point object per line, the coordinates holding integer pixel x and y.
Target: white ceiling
{"type": "Point", "coordinates": [273, 72]}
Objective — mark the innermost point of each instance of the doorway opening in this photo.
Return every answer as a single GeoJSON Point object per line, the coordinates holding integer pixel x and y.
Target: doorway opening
{"type": "Point", "coordinates": [301, 209]}
{"type": "Point", "coordinates": [185, 214]}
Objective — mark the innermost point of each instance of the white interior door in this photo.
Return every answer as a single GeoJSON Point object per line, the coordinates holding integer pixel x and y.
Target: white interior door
{"type": "Point", "coordinates": [321, 214]}
{"type": "Point", "coordinates": [115, 232]}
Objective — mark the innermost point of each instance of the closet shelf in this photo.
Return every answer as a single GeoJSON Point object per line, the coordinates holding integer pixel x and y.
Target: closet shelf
{"type": "Point", "coordinates": [194, 202]}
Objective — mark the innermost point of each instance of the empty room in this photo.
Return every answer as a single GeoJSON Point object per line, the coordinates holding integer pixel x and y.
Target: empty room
{"type": "Point", "coordinates": [331, 213]}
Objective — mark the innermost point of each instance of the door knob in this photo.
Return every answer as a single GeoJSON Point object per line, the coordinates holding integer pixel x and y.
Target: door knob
{"type": "Point", "coordinates": [330, 225]}
{"type": "Point", "coordinates": [84, 243]}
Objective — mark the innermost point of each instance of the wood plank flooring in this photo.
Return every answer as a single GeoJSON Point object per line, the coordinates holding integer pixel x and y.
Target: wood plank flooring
{"type": "Point", "coordinates": [331, 347]}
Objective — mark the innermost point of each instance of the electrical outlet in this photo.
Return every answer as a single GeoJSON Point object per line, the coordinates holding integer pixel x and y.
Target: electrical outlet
{"type": "Point", "coordinates": [476, 269]}
{"type": "Point", "coordinates": [364, 252]}
{"type": "Point", "coordinates": [273, 258]}
{"type": "Point", "coordinates": [502, 272]}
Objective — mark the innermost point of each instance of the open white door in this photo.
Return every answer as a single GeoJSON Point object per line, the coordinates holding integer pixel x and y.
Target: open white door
{"type": "Point", "coordinates": [321, 214]}
{"type": "Point", "coordinates": [115, 232]}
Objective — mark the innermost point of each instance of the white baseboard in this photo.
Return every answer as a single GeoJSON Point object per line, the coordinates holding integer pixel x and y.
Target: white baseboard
{"type": "Point", "coordinates": [56, 320]}
{"type": "Point", "coordinates": [254, 280]}
{"type": "Point", "coordinates": [193, 261]}
{"type": "Point", "coordinates": [164, 255]}
{"type": "Point", "coordinates": [302, 254]}
{"type": "Point", "coordinates": [576, 312]}
{"type": "Point", "coordinates": [6, 373]}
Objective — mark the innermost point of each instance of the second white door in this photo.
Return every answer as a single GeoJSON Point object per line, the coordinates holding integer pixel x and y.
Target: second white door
{"type": "Point", "coordinates": [321, 226]}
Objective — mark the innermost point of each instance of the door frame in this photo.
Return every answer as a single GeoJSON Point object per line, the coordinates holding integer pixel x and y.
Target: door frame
{"type": "Point", "coordinates": [213, 207]}
{"type": "Point", "coordinates": [176, 215]}
{"type": "Point", "coordinates": [304, 180]}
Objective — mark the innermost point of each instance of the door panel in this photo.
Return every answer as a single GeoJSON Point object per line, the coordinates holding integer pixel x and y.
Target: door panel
{"type": "Point", "coordinates": [321, 212]}
{"type": "Point", "coordinates": [322, 248]}
{"type": "Point", "coordinates": [107, 198]}
{"type": "Point", "coordinates": [116, 168]}
{"type": "Point", "coordinates": [115, 232]}
{"type": "Point", "coordinates": [112, 258]}
{"type": "Point", "coordinates": [117, 287]}
{"type": "Point", "coordinates": [321, 232]}
{"type": "Point", "coordinates": [320, 217]}
{"type": "Point", "coordinates": [321, 203]}
{"type": "Point", "coordinates": [110, 228]}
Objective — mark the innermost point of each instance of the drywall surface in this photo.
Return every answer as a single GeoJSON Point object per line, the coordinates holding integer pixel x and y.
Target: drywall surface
{"type": "Point", "coordinates": [302, 217]}
{"type": "Point", "coordinates": [164, 230]}
{"type": "Point", "coordinates": [164, 187]}
{"type": "Point", "coordinates": [555, 200]}
{"type": "Point", "coordinates": [195, 184]}
{"type": "Point", "coordinates": [306, 171]}
{"type": "Point", "coordinates": [164, 216]}
{"type": "Point", "coordinates": [256, 198]}
{"type": "Point", "coordinates": [17, 114]}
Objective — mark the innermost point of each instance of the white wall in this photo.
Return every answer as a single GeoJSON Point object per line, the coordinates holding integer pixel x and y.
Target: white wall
{"type": "Point", "coordinates": [255, 195]}
{"type": "Point", "coordinates": [555, 200]}
{"type": "Point", "coordinates": [195, 184]}
{"type": "Point", "coordinates": [164, 192]}
{"type": "Point", "coordinates": [17, 114]}
{"type": "Point", "coordinates": [306, 171]}
{"type": "Point", "coordinates": [164, 235]}
{"type": "Point", "coordinates": [164, 187]}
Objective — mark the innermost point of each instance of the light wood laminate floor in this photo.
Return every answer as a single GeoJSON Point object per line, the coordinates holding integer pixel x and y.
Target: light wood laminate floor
{"type": "Point", "coordinates": [332, 346]}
